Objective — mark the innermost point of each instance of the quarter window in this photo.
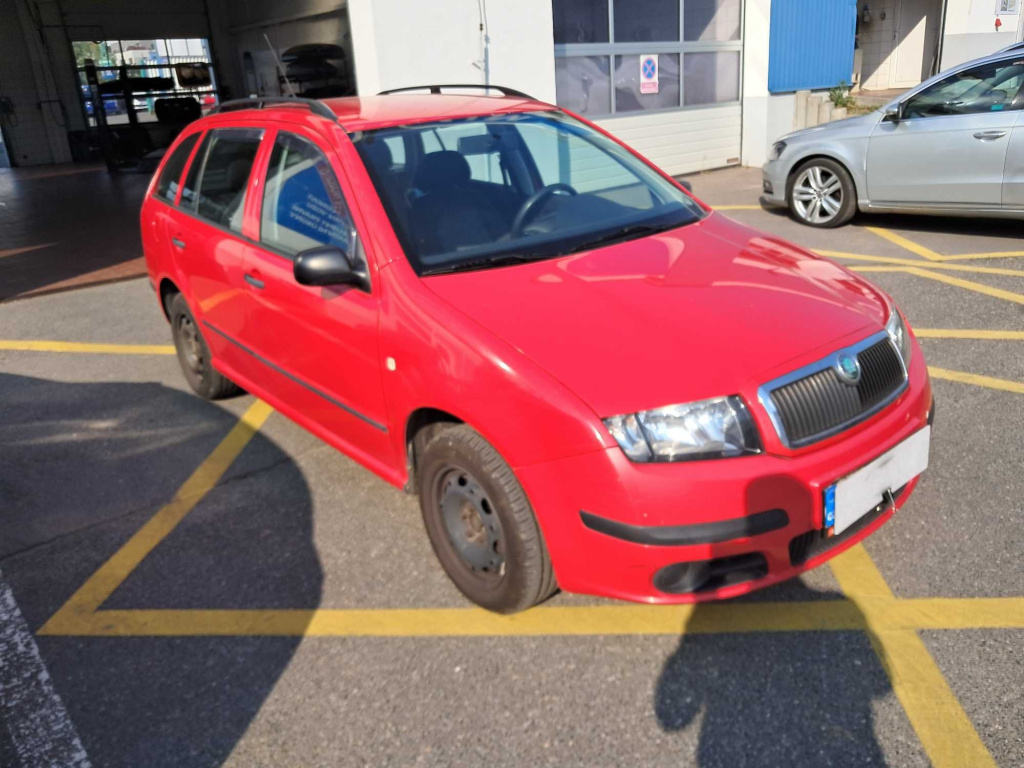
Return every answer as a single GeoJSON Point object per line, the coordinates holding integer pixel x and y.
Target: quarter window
{"type": "Point", "coordinates": [303, 206]}
{"type": "Point", "coordinates": [603, 48]}
{"type": "Point", "coordinates": [216, 183]}
{"type": "Point", "coordinates": [994, 87]}
{"type": "Point", "coordinates": [167, 186]}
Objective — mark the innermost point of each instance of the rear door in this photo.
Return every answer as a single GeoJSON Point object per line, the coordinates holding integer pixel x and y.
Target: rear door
{"type": "Point", "coordinates": [318, 345]}
{"type": "Point", "coordinates": [949, 147]}
{"type": "Point", "coordinates": [206, 235]}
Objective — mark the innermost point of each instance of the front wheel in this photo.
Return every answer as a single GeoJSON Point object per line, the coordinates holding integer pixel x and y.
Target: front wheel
{"type": "Point", "coordinates": [480, 523]}
{"type": "Point", "coordinates": [821, 194]}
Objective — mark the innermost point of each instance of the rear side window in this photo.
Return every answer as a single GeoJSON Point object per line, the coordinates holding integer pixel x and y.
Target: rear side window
{"type": "Point", "coordinates": [302, 202]}
{"type": "Point", "coordinates": [167, 186]}
{"type": "Point", "coordinates": [216, 183]}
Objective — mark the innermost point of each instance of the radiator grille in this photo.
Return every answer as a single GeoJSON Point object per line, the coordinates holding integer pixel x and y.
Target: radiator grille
{"type": "Point", "coordinates": [818, 404]}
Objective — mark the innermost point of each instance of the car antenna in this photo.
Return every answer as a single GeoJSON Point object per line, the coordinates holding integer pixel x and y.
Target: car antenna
{"type": "Point", "coordinates": [280, 69]}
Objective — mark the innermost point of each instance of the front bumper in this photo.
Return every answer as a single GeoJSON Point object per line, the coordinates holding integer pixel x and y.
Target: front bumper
{"type": "Point", "coordinates": [751, 517]}
{"type": "Point", "coordinates": [774, 176]}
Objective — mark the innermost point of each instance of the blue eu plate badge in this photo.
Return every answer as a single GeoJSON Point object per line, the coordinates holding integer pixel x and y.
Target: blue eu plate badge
{"type": "Point", "coordinates": [830, 506]}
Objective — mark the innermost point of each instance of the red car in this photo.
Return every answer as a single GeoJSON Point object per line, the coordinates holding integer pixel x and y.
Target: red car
{"type": "Point", "coordinates": [591, 379]}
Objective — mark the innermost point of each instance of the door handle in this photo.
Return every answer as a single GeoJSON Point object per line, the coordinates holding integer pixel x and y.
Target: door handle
{"type": "Point", "coordinates": [178, 242]}
{"type": "Point", "coordinates": [989, 135]}
{"type": "Point", "coordinates": [253, 279]}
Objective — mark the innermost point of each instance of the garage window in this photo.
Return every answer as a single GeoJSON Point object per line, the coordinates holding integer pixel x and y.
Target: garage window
{"type": "Point", "coordinates": [606, 52]}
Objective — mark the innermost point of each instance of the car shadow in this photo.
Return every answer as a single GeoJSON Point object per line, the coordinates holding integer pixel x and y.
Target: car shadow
{"type": "Point", "coordinates": [773, 699]}
{"type": "Point", "coordinates": [84, 466]}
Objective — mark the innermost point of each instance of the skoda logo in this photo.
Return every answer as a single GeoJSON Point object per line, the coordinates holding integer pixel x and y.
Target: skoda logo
{"type": "Point", "coordinates": [848, 368]}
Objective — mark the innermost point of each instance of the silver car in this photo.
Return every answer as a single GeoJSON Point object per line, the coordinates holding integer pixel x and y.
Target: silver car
{"type": "Point", "coordinates": [953, 145]}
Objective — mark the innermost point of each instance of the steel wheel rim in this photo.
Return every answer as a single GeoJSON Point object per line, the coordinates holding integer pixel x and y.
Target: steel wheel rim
{"type": "Point", "coordinates": [818, 195]}
{"type": "Point", "coordinates": [190, 347]}
{"type": "Point", "coordinates": [471, 523]}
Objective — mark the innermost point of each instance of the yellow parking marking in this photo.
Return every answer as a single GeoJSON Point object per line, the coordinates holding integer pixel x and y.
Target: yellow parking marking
{"type": "Point", "coordinates": [111, 574]}
{"type": "Point", "coordinates": [945, 731]}
{"type": "Point", "coordinates": [97, 349]}
{"type": "Point", "coordinates": [988, 290]}
{"type": "Point", "coordinates": [977, 380]}
{"type": "Point", "coordinates": [993, 255]}
{"type": "Point", "coordinates": [26, 249]}
{"type": "Point", "coordinates": [904, 243]}
{"type": "Point", "coordinates": [976, 334]}
{"type": "Point", "coordinates": [917, 262]}
{"type": "Point", "coordinates": [736, 207]}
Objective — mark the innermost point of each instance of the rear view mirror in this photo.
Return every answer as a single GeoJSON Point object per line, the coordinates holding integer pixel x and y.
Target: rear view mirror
{"type": "Point", "coordinates": [892, 114]}
{"type": "Point", "coordinates": [328, 265]}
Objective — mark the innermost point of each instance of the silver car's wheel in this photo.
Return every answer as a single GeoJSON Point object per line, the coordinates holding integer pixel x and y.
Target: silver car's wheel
{"type": "Point", "coordinates": [821, 194]}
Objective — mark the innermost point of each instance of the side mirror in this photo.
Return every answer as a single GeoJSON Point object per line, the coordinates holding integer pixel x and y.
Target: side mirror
{"type": "Point", "coordinates": [685, 184]}
{"type": "Point", "coordinates": [328, 265]}
{"type": "Point", "coordinates": [893, 114]}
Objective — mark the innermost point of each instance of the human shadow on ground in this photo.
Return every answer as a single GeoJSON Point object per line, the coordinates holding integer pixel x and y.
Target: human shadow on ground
{"type": "Point", "coordinates": [774, 699]}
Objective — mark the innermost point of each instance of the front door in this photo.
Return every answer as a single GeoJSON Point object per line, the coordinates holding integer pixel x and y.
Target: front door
{"type": "Point", "coordinates": [949, 146]}
{"type": "Point", "coordinates": [318, 345]}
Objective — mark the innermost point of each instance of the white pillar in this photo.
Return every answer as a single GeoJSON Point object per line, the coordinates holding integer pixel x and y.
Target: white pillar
{"type": "Point", "coordinates": [755, 83]}
{"type": "Point", "coordinates": [800, 109]}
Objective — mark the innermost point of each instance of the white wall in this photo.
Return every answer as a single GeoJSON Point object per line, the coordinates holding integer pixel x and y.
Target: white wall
{"type": "Point", "coordinates": [399, 43]}
{"type": "Point", "coordinates": [970, 31]}
{"type": "Point", "coordinates": [757, 136]}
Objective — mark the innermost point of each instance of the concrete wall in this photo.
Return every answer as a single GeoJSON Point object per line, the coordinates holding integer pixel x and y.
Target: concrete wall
{"type": "Point", "coordinates": [970, 31]}
{"type": "Point", "coordinates": [399, 43]}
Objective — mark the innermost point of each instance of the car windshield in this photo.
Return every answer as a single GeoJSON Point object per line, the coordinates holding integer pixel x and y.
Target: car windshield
{"type": "Point", "coordinates": [501, 189]}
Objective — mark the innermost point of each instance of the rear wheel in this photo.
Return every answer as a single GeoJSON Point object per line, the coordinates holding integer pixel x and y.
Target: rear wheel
{"type": "Point", "coordinates": [194, 354]}
{"type": "Point", "coordinates": [821, 193]}
{"type": "Point", "coordinates": [480, 523]}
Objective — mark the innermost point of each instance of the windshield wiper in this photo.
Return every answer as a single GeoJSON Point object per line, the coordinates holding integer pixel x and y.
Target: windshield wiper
{"type": "Point", "coordinates": [623, 233]}
{"type": "Point", "coordinates": [499, 260]}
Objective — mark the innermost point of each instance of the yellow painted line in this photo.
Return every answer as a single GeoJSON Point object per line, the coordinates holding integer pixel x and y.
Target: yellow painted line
{"type": "Point", "coordinates": [954, 613]}
{"type": "Point", "coordinates": [965, 333]}
{"type": "Point", "coordinates": [711, 618]}
{"type": "Point", "coordinates": [904, 243]}
{"type": "Point", "coordinates": [26, 249]}
{"type": "Point", "coordinates": [997, 293]}
{"type": "Point", "coordinates": [945, 731]}
{"type": "Point", "coordinates": [111, 574]}
{"type": "Point", "coordinates": [976, 379]}
{"type": "Point", "coordinates": [993, 255]}
{"type": "Point", "coordinates": [99, 349]}
{"type": "Point", "coordinates": [917, 263]}
{"type": "Point", "coordinates": [736, 207]}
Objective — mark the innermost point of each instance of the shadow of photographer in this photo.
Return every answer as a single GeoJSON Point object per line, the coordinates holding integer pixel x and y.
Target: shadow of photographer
{"type": "Point", "coordinates": [774, 698]}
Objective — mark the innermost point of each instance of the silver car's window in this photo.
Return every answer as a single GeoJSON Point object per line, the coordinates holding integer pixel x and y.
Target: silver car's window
{"type": "Point", "coordinates": [991, 87]}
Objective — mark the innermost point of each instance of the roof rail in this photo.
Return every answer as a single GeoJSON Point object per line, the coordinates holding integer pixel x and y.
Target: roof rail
{"type": "Point", "coordinates": [262, 102]}
{"type": "Point", "coordinates": [437, 89]}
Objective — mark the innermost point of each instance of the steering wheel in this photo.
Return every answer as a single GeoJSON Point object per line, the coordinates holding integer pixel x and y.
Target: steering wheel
{"type": "Point", "coordinates": [534, 203]}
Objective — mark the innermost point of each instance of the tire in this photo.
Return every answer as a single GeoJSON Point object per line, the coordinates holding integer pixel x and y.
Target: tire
{"type": "Point", "coordinates": [480, 523]}
{"type": "Point", "coordinates": [821, 194]}
{"type": "Point", "coordinates": [194, 354]}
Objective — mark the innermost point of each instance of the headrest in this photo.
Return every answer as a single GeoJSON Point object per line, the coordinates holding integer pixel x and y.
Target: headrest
{"type": "Point", "coordinates": [442, 169]}
{"type": "Point", "coordinates": [379, 154]}
{"type": "Point", "coordinates": [237, 174]}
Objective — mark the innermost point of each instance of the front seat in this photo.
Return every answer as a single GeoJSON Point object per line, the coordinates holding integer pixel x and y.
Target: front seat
{"type": "Point", "coordinates": [450, 214]}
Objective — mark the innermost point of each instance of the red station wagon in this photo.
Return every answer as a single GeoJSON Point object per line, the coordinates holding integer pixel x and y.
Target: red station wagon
{"type": "Point", "coordinates": [591, 379]}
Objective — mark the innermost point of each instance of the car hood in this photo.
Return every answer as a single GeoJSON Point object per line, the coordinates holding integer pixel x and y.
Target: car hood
{"type": "Point", "coordinates": [850, 127]}
{"type": "Point", "coordinates": [710, 309]}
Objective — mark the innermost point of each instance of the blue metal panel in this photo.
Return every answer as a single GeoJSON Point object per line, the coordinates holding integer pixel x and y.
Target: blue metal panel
{"type": "Point", "coordinates": [810, 44]}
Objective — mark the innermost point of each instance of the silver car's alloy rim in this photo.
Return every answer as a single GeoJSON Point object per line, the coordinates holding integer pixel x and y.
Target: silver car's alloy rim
{"type": "Point", "coordinates": [817, 195]}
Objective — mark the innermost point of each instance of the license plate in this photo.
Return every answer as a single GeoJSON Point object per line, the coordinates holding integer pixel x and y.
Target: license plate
{"type": "Point", "coordinates": [849, 499]}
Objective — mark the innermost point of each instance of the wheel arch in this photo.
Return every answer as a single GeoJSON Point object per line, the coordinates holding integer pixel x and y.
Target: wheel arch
{"type": "Point", "coordinates": [822, 155]}
{"type": "Point", "coordinates": [420, 426]}
{"type": "Point", "coordinates": [167, 289]}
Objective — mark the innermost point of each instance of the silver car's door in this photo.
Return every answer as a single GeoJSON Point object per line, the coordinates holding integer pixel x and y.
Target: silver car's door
{"type": "Point", "coordinates": [949, 145]}
{"type": "Point", "coordinates": [1013, 173]}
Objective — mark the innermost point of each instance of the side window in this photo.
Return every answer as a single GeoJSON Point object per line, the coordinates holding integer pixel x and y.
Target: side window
{"type": "Point", "coordinates": [167, 186]}
{"type": "Point", "coordinates": [302, 202]}
{"type": "Point", "coordinates": [989, 88]}
{"type": "Point", "coordinates": [397, 147]}
{"type": "Point", "coordinates": [223, 177]}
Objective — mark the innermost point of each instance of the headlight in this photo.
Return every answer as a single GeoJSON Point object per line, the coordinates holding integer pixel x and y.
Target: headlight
{"type": "Point", "coordinates": [708, 429]}
{"type": "Point", "coordinates": [899, 334]}
{"type": "Point", "coordinates": [777, 149]}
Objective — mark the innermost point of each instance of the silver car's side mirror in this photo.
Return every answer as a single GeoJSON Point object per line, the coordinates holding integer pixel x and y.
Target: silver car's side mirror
{"type": "Point", "coordinates": [892, 115]}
